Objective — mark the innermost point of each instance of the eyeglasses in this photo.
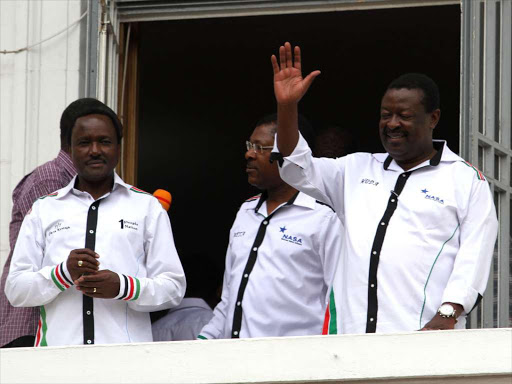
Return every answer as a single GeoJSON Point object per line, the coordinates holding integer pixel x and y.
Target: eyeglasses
{"type": "Point", "coordinates": [257, 147]}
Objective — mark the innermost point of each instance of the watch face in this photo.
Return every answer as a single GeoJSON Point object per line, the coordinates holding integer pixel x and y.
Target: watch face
{"type": "Point", "coordinates": [446, 310]}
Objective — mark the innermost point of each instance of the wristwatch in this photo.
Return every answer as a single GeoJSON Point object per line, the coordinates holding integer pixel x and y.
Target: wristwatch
{"type": "Point", "coordinates": [447, 311]}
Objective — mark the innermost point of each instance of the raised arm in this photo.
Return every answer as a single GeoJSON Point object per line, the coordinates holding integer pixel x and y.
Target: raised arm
{"type": "Point", "coordinates": [289, 88]}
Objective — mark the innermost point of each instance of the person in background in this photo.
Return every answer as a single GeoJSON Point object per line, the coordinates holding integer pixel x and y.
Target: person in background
{"type": "Point", "coordinates": [185, 321]}
{"type": "Point", "coordinates": [18, 325]}
{"type": "Point", "coordinates": [97, 255]}
{"type": "Point", "coordinates": [333, 142]}
{"type": "Point", "coordinates": [283, 249]}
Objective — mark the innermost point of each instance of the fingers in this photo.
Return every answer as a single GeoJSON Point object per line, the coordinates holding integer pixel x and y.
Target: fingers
{"type": "Point", "coordinates": [91, 291]}
{"type": "Point", "coordinates": [86, 264]}
{"type": "Point", "coordinates": [87, 284]}
{"type": "Point", "coordinates": [286, 59]}
{"type": "Point", "coordinates": [86, 258]}
{"type": "Point", "coordinates": [80, 257]}
{"type": "Point", "coordinates": [309, 79]}
{"type": "Point", "coordinates": [288, 52]}
{"type": "Point", "coordinates": [90, 280]}
{"type": "Point", "coordinates": [82, 270]}
{"type": "Point", "coordinates": [86, 251]}
{"type": "Point", "coordinates": [275, 66]}
{"type": "Point", "coordinates": [82, 261]}
{"type": "Point", "coordinates": [297, 60]}
{"type": "Point", "coordinates": [282, 57]}
{"type": "Point", "coordinates": [104, 284]}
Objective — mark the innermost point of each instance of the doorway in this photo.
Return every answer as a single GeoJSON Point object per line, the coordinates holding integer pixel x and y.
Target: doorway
{"type": "Point", "coordinates": [204, 83]}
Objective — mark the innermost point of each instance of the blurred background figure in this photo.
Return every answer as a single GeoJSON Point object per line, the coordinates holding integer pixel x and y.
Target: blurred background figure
{"type": "Point", "coordinates": [333, 141]}
{"type": "Point", "coordinates": [185, 321]}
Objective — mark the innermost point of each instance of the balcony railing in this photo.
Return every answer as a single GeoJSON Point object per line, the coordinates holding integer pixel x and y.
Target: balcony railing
{"type": "Point", "coordinates": [466, 356]}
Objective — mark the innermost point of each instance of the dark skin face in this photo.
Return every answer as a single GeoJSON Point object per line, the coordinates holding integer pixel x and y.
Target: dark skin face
{"type": "Point", "coordinates": [405, 127]}
{"type": "Point", "coordinates": [264, 175]}
{"type": "Point", "coordinates": [95, 153]}
{"type": "Point", "coordinates": [260, 172]}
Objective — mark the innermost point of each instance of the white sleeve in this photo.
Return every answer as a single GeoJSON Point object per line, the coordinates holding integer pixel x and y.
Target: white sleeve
{"type": "Point", "coordinates": [320, 178]}
{"type": "Point", "coordinates": [478, 230]}
{"type": "Point", "coordinates": [333, 235]}
{"type": "Point", "coordinates": [28, 283]}
{"type": "Point", "coordinates": [164, 286]}
{"type": "Point", "coordinates": [215, 328]}
{"type": "Point", "coordinates": [332, 240]}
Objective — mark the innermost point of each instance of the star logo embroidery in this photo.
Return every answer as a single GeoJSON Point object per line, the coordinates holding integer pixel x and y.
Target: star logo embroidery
{"type": "Point", "coordinates": [424, 190]}
{"type": "Point", "coordinates": [282, 229]}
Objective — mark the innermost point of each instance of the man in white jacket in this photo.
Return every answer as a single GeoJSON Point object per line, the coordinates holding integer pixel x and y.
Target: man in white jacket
{"type": "Point", "coordinates": [97, 255]}
{"type": "Point", "coordinates": [283, 249]}
{"type": "Point", "coordinates": [420, 222]}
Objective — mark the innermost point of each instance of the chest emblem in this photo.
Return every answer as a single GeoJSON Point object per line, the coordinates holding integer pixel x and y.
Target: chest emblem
{"type": "Point", "coordinates": [289, 238]}
{"type": "Point", "coordinates": [430, 196]}
{"type": "Point", "coordinates": [370, 182]}
{"type": "Point", "coordinates": [58, 228]}
{"type": "Point", "coordinates": [125, 224]}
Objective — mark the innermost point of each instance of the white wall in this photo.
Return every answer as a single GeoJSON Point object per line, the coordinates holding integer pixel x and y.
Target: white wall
{"type": "Point", "coordinates": [466, 356]}
{"type": "Point", "coordinates": [35, 87]}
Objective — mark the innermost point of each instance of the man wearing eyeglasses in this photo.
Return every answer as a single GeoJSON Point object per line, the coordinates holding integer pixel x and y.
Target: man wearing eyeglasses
{"type": "Point", "coordinates": [283, 249]}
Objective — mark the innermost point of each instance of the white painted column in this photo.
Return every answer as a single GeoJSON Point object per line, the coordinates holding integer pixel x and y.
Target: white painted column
{"type": "Point", "coordinates": [35, 87]}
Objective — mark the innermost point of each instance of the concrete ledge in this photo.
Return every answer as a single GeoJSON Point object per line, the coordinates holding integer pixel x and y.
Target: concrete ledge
{"type": "Point", "coordinates": [468, 356]}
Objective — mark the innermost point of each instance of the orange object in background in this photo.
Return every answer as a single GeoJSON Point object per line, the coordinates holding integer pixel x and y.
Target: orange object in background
{"type": "Point", "coordinates": [163, 197]}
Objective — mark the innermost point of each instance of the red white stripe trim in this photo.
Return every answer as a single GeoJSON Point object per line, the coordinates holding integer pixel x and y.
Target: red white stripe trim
{"type": "Point", "coordinates": [327, 320]}
{"type": "Point", "coordinates": [39, 331]}
{"type": "Point", "coordinates": [59, 277]}
{"type": "Point", "coordinates": [480, 174]}
{"type": "Point", "coordinates": [130, 293]}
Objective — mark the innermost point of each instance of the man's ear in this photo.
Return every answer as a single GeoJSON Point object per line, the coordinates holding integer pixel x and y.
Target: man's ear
{"type": "Point", "coordinates": [434, 118]}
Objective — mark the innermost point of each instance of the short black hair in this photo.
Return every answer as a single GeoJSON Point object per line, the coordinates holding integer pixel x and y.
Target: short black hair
{"type": "Point", "coordinates": [305, 128]}
{"type": "Point", "coordinates": [84, 107]}
{"type": "Point", "coordinates": [431, 98]}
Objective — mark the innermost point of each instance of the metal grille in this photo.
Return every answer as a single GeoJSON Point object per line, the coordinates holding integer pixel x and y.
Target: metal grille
{"type": "Point", "coordinates": [486, 140]}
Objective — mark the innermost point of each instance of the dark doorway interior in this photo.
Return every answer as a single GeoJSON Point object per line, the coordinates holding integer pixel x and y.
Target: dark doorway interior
{"type": "Point", "coordinates": [204, 83]}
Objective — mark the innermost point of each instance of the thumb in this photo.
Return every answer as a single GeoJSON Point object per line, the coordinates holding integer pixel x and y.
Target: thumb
{"type": "Point", "coordinates": [309, 79]}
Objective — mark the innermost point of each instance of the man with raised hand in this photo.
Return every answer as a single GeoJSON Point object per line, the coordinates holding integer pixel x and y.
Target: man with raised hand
{"type": "Point", "coordinates": [283, 248]}
{"type": "Point", "coordinates": [97, 255]}
{"type": "Point", "coordinates": [420, 223]}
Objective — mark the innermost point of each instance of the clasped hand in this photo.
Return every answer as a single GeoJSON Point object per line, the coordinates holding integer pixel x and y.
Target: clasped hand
{"type": "Point", "coordinates": [83, 266]}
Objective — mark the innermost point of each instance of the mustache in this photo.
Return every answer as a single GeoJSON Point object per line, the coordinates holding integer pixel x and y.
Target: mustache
{"type": "Point", "coordinates": [395, 131]}
{"type": "Point", "coordinates": [95, 160]}
{"type": "Point", "coordinates": [250, 165]}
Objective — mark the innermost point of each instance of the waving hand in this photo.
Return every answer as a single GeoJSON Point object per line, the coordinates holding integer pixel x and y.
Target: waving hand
{"type": "Point", "coordinates": [289, 85]}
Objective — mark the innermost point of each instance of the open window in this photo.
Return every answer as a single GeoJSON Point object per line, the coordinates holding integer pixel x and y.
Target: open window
{"type": "Point", "coordinates": [195, 76]}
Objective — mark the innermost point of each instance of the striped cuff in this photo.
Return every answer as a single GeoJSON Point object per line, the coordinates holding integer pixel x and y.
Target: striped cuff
{"type": "Point", "coordinates": [61, 277]}
{"type": "Point", "coordinates": [129, 288]}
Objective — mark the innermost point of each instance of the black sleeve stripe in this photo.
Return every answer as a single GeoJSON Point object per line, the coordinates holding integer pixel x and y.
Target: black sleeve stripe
{"type": "Point", "coordinates": [64, 274]}
{"type": "Point", "coordinates": [125, 288]}
{"type": "Point", "coordinates": [478, 300]}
